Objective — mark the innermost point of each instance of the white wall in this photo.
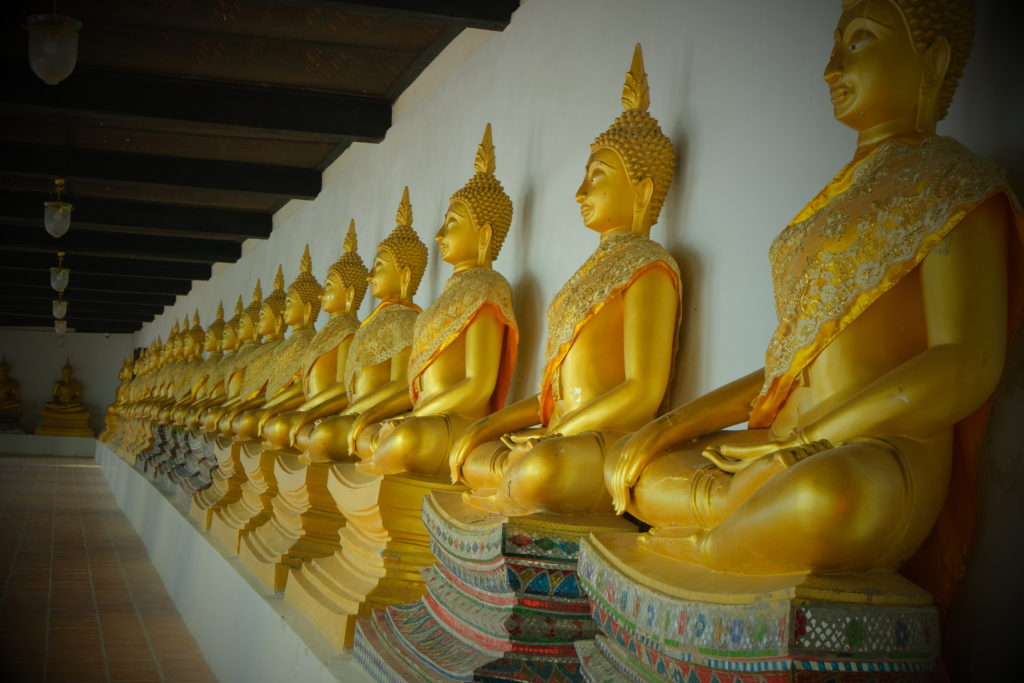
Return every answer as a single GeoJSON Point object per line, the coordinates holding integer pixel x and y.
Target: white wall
{"type": "Point", "coordinates": [736, 84]}
{"type": "Point", "coordinates": [36, 361]}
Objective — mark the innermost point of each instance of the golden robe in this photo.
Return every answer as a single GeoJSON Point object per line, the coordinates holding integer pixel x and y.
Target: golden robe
{"type": "Point", "coordinates": [464, 295]}
{"type": "Point", "coordinates": [382, 335]}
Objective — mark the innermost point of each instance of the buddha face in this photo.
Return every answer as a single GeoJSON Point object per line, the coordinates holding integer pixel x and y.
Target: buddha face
{"type": "Point", "coordinates": [229, 339]}
{"type": "Point", "coordinates": [874, 75]}
{"type": "Point", "coordinates": [337, 297]}
{"type": "Point", "coordinates": [246, 328]}
{"type": "Point", "coordinates": [268, 322]}
{"type": "Point", "coordinates": [212, 343]}
{"type": "Point", "coordinates": [385, 277]}
{"type": "Point", "coordinates": [187, 346]}
{"type": "Point", "coordinates": [459, 238]}
{"type": "Point", "coordinates": [294, 310]}
{"type": "Point", "coordinates": [606, 196]}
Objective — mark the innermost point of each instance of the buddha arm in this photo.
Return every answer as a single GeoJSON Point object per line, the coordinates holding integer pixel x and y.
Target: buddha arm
{"type": "Point", "coordinates": [483, 357]}
{"type": "Point", "coordinates": [519, 415]}
{"type": "Point", "coordinates": [649, 322]}
{"type": "Point", "coordinates": [963, 287]}
{"type": "Point", "coordinates": [389, 399]}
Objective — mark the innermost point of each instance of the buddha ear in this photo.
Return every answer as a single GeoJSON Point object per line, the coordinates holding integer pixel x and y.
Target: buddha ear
{"type": "Point", "coordinates": [350, 298]}
{"type": "Point", "coordinates": [484, 234]}
{"type": "Point", "coordinates": [405, 279]}
{"type": "Point", "coordinates": [641, 208]}
{"type": "Point", "coordinates": [307, 311]}
{"type": "Point", "coordinates": [936, 64]}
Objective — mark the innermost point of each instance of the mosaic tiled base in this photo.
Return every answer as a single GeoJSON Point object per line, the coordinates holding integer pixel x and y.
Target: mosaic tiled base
{"type": "Point", "coordinates": [681, 623]}
{"type": "Point", "coordinates": [502, 604]}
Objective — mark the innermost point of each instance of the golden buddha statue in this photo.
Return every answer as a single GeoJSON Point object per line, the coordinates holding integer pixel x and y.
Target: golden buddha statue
{"type": "Point", "coordinates": [233, 349]}
{"type": "Point", "coordinates": [464, 344]}
{"type": "Point", "coordinates": [200, 387]}
{"type": "Point", "coordinates": [193, 341]}
{"type": "Point", "coordinates": [283, 390]}
{"type": "Point", "coordinates": [611, 336]}
{"type": "Point", "coordinates": [377, 365]}
{"type": "Point", "coordinates": [10, 406]}
{"type": "Point", "coordinates": [324, 362]}
{"type": "Point", "coordinates": [891, 288]}
{"type": "Point", "coordinates": [65, 415]}
{"type": "Point", "coordinates": [121, 395]}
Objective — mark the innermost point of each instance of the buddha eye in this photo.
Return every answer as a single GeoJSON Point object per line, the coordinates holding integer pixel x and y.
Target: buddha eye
{"type": "Point", "coordinates": [859, 40]}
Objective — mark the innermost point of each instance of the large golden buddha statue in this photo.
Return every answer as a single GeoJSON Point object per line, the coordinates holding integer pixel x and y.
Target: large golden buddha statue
{"type": "Point", "coordinates": [377, 365]}
{"type": "Point", "coordinates": [891, 293]}
{"type": "Point", "coordinates": [611, 336]}
{"type": "Point", "coordinates": [464, 344]}
{"type": "Point", "coordinates": [65, 415]}
{"type": "Point", "coordinates": [283, 382]}
{"type": "Point", "coordinates": [322, 368]}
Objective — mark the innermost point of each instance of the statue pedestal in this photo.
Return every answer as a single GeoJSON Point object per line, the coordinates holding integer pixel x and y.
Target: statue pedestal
{"type": "Point", "coordinates": [383, 547]}
{"type": "Point", "coordinates": [664, 619]}
{"type": "Point", "coordinates": [225, 483]}
{"type": "Point", "coordinates": [304, 524]}
{"type": "Point", "coordinates": [503, 602]}
{"type": "Point", "coordinates": [75, 423]}
{"type": "Point", "coordinates": [252, 507]}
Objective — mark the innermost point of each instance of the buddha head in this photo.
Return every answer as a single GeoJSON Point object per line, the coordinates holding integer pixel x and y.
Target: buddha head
{"type": "Point", "coordinates": [895, 64]}
{"type": "Point", "coordinates": [248, 322]}
{"type": "Point", "coordinates": [194, 339]}
{"type": "Point", "coordinates": [345, 285]}
{"type": "Point", "coordinates": [631, 165]}
{"type": "Point", "coordinates": [66, 371]}
{"type": "Point", "coordinates": [401, 259]}
{"type": "Point", "coordinates": [302, 300]}
{"type": "Point", "coordinates": [215, 332]}
{"type": "Point", "coordinates": [271, 322]}
{"type": "Point", "coordinates": [229, 334]}
{"type": "Point", "coordinates": [478, 215]}
{"type": "Point", "coordinates": [172, 348]}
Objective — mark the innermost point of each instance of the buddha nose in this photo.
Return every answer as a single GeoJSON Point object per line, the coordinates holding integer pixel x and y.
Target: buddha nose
{"type": "Point", "coordinates": [834, 68]}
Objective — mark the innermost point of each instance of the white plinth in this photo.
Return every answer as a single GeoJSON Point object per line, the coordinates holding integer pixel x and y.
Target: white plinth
{"type": "Point", "coordinates": [44, 444]}
{"type": "Point", "coordinates": [245, 633]}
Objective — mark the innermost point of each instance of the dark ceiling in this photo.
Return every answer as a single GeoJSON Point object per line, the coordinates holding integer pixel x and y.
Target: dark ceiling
{"type": "Point", "coordinates": [185, 125]}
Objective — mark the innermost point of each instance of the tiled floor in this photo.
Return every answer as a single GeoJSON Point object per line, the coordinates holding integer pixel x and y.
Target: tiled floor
{"type": "Point", "coordinates": [80, 600]}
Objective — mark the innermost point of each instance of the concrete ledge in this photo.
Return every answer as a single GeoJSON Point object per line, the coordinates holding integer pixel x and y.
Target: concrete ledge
{"type": "Point", "coordinates": [44, 444]}
{"type": "Point", "coordinates": [245, 633]}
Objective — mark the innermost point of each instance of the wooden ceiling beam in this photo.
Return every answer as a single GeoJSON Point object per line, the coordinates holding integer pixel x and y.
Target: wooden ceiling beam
{"type": "Point", "coordinates": [96, 265]}
{"type": "Point", "coordinates": [329, 117]}
{"type": "Point", "coordinates": [492, 15]}
{"type": "Point", "coordinates": [99, 243]}
{"type": "Point", "coordinates": [90, 296]}
{"type": "Point", "coordinates": [100, 326]}
{"type": "Point", "coordinates": [123, 167]}
{"type": "Point", "coordinates": [149, 218]}
{"type": "Point", "coordinates": [103, 283]}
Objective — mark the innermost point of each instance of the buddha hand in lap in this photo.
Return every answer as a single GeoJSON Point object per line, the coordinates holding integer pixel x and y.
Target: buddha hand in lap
{"type": "Point", "coordinates": [284, 384]}
{"type": "Point", "coordinates": [897, 337]}
{"type": "Point", "coordinates": [378, 357]}
{"type": "Point", "coordinates": [464, 344]}
{"type": "Point", "coordinates": [611, 337]}
{"type": "Point", "coordinates": [322, 367]}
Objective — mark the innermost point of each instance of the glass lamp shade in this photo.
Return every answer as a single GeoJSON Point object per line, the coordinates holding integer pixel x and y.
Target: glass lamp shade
{"type": "Point", "coordinates": [59, 278]}
{"type": "Point", "coordinates": [60, 327]}
{"type": "Point", "coordinates": [60, 309]}
{"type": "Point", "coordinates": [52, 46]}
{"type": "Point", "coordinates": [57, 217]}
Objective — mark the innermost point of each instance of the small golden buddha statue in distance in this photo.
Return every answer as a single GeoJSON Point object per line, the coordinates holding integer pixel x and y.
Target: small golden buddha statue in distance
{"type": "Point", "coordinates": [283, 390]}
{"type": "Point", "coordinates": [9, 402]}
{"type": "Point", "coordinates": [611, 336]}
{"type": "Point", "coordinates": [891, 292]}
{"type": "Point", "coordinates": [376, 369]}
{"type": "Point", "coordinates": [324, 362]}
{"type": "Point", "coordinates": [65, 415]}
{"type": "Point", "coordinates": [249, 340]}
{"type": "Point", "coordinates": [465, 343]}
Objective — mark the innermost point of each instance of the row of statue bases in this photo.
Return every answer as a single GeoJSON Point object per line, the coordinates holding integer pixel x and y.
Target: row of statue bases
{"type": "Point", "coordinates": [373, 472]}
